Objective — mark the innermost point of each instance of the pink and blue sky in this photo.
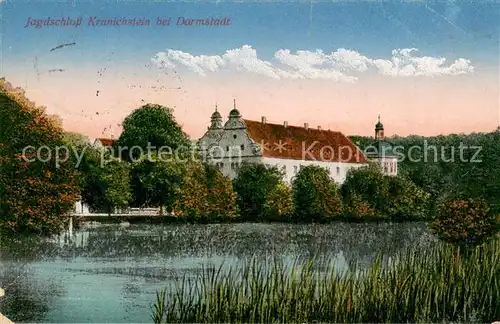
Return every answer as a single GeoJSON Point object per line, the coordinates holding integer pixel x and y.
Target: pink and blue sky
{"type": "Point", "coordinates": [426, 67]}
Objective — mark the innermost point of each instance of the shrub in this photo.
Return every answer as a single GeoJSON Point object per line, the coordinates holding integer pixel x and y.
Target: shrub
{"type": "Point", "coordinates": [464, 222]}
{"type": "Point", "coordinates": [375, 195]}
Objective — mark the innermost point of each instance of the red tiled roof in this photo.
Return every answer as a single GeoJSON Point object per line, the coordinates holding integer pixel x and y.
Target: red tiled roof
{"type": "Point", "coordinates": [106, 141]}
{"type": "Point", "coordinates": [299, 143]}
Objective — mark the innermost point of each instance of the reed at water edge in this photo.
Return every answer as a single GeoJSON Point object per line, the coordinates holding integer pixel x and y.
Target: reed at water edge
{"type": "Point", "coordinates": [437, 285]}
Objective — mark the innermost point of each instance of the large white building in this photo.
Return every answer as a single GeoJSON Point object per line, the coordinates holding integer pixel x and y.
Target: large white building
{"type": "Point", "coordinates": [288, 147]}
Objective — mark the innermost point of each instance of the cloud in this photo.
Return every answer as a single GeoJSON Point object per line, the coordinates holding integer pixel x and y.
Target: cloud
{"type": "Point", "coordinates": [343, 65]}
{"type": "Point", "coordinates": [403, 63]}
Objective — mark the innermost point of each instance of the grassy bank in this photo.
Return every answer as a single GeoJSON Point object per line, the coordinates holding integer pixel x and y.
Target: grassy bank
{"type": "Point", "coordinates": [440, 285]}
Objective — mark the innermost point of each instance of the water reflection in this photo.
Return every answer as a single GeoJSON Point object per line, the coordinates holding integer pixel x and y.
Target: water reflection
{"type": "Point", "coordinates": [110, 273]}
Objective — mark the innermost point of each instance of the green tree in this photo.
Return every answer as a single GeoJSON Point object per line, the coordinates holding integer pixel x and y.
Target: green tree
{"type": "Point", "coordinates": [478, 175]}
{"type": "Point", "coordinates": [104, 180]}
{"type": "Point", "coordinates": [366, 189]}
{"type": "Point", "coordinates": [115, 183]}
{"type": "Point", "coordinates": [253, 185]}
{"type": "Point", "coordinates": [221, 199]}
{"type": "Point", "coordinates": [154, 125]}
{"type": "Point", "coordinates": [406, 201]}
{"type": "Point", "coordinates": [34, 194]}
{"type": "Point", "coordinates": [448, 164]}
{"type": "Point", "coordinates": [279, 203]}
{"type": "Point", "coordinates": [464, 222]}
{"type": "Point", "coordinates": [75, 139]}
{"type": "Point", "coordinates": [157, 181]}
{"type": "Point", "coordinates": [315, 195]}
{"type": "Point", "coordinates": [374, 195]}
{"type": "Point", "coordinates": [205, 194]}
{"type": "Point", "coordinates": [356, 208]}
{"type": "Point", "coordinates": [193, 192]}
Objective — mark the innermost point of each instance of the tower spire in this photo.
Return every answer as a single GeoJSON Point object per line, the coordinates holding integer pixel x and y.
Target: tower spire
{"type": "Point", "coordinates": [216, 119]}
{"type": "Point", "coordinates": [234, 103]}
{"type": "Point", "coordinates": [379, 130]}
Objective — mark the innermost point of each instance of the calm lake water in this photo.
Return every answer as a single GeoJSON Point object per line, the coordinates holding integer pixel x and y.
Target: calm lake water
{"type": "Point", "coordinates": [110, 273]}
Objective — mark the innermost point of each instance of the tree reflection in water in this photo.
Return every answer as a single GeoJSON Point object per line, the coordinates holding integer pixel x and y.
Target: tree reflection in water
{"type": "Point", "coordinates": [357, 242]}
{"type": "Point", "coordinates": [146, 256]}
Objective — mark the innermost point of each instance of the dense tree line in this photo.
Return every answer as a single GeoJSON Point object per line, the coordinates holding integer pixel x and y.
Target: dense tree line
{"type": "Point", "coordinates": [450, 165]}
{"type": "Point", "coordinates": [35, 196]}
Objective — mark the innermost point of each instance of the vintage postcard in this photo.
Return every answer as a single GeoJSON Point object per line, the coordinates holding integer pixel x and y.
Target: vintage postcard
{"type": "Point", "coordinates": [249, 161]}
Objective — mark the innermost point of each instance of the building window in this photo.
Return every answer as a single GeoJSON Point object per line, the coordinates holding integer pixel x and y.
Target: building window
{"type": "Point", "coordinates": [338, 171]}
{"type": "Point", "coordinates": [386, 169]}
{"type": "Point", "coordinates": [234, 136]}
{"type": "Point", "coordinates": [235, 165]}
{"type": "Point", "coordinates": [242, 147]}
{"type": "Point", "coordinates": [227, 148]}
{"type": "Point", "coordinates": [295, 169]}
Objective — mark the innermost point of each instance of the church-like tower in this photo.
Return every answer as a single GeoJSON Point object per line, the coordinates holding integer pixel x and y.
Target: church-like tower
{"type": "Point", "coordinates": [381, 152]}
{"type": "Point", "coordinates": [379, 130]}
{"type": "Point", "coordinates": [213, 133]}
{"type": "Point", "coordinates": [234, 121]}
{"type": "Point", "coordinates": [215, 120]}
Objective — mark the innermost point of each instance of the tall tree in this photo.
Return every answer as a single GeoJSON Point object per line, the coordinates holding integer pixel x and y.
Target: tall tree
{"type": "Point", "coordinates": [254, 185]}
{"type": "Point", "coordinates": [108, 187]}
{"type": "Point", "coordinates": [193, 192]}
{"type": "Point", "coordinates": [158, 181]}
{"type": "Point", "coordinates": [279, 203]}
{"type": "Point", "coordinates": [36, 190]}
{"type": "Point", "coordinates": [315, 195]}
{"type": "Point", "coordinates": [152, 125]}
{"type": "Point", "coordinates": [205, 194]}
{"type": "Point", "coordinates": [221, 199]}
{"type": "Point", "coordinates": [365, 189]}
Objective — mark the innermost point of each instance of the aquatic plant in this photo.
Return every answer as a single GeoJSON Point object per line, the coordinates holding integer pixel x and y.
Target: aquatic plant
{"type": "Point", "coordinates": [435, 286]}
